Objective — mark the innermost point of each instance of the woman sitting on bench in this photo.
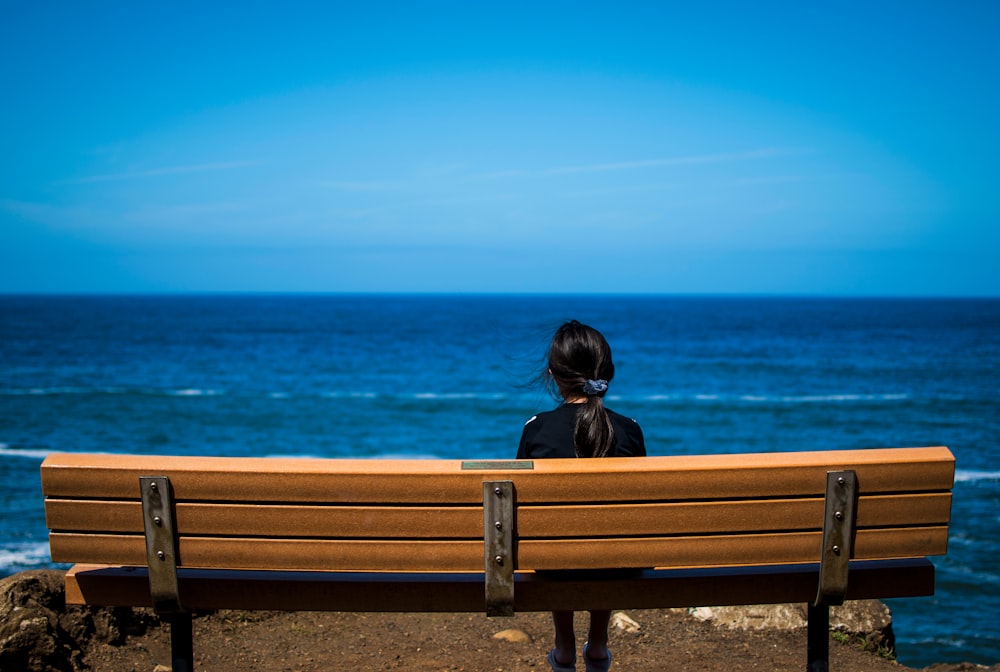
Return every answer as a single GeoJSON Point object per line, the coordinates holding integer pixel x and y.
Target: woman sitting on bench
{"type": "Point", "coordinates": [579, 369]}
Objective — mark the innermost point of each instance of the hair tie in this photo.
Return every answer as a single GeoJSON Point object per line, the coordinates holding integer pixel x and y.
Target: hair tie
{"type": "Point", "coordinates": [594, 387]}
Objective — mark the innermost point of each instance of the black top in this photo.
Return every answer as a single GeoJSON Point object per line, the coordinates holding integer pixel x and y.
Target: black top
{"type": "Point", "coordinates": [550, 434]}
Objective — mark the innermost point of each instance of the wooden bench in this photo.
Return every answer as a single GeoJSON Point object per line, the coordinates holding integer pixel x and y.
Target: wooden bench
{"type": "Point", "coordinates": [199, 533]}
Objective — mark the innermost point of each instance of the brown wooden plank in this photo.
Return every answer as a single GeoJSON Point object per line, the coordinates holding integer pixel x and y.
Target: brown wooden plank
{"type": "Point", "coordinates": [669, 551]}
{"type": "Point", "coordinates": [232, 553]}
{"type": "Point", "coordinates": [417, 481]}
{"type": "Point", "coordinates": [85, 515]}
{"type": "Point", "coordinates": [722, 517]}
{"type": "Point", "coordinates": [923, 509]}
{"type": "Point", "coordinates": [723, 550]}
{"type": "Point", "coordinates": [318, 591]}
{"type": "Point", "coordinates": [422, 555]}
{"type": "Point", "coordinates": [353, 555]}
{"type": "Point", "coordinates": [274, 520]}
{"type": "Point", "coordinates": [310, 521]}
{"type": "Point", "coordinates": [105, 549]}
{"type": "Point", "coordinates": [467, 522]}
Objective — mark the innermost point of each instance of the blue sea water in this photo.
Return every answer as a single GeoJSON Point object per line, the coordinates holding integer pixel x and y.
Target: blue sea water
{"type": "Point", "coordinates": [450, 377]}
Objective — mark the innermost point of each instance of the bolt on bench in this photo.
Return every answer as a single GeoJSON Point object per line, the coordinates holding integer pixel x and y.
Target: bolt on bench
{"type": "Point", "coordinates": [196, 533]}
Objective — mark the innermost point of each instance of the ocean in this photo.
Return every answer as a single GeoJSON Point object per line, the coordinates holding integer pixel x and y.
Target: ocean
{"type": "Point", "coordinates": [437, 376]}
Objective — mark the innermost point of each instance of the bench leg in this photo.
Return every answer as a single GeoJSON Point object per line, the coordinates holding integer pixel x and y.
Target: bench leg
{"type": "Point", "coordinates": [818, 638]}
{"type": "Point", "coordinates": [181, 643]}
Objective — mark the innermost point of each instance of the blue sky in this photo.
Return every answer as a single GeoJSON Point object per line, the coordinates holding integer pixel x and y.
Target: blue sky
{"type": "Point", "coordinates": [791, 148]}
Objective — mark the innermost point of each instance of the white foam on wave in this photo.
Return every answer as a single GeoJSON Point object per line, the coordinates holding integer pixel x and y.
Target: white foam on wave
{"type": "Point", "coordinates": [969, 475]}
{"type": "Point", "coordinates": [55, 391]}
{"type": "Point", "coordinates": [459, 395]}
{"type": "Point", "coordinates": [953, 571]}
{"type": "Point", "coordinates": [823, 398]}
{"type": "Point", "coordinates": [776, 398]}
{"type": "Point", "coordinates": [28, 453]}
{"type": "Point", "coordinates": [42, 391]}
{"type": "Point", "coordinates": [21, 556]}
{"type": "Point", "coordinates": [193, 392]}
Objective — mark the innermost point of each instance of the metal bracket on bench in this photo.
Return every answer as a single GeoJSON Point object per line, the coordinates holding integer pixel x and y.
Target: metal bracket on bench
{"type": "Point", "coordinates": [161, 543]}
{"type": "Point", "coordinates": [839, 524]}
{"type": "Point", "coordinates": [498, 541]}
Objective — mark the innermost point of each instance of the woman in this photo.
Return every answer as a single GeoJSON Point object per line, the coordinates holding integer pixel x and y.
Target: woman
{"type": "Point", "coordinates": [580, 368]}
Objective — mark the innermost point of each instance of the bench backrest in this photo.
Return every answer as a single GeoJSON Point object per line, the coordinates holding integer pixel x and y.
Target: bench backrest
{"type": "Point", "coordinates": [427, 515]}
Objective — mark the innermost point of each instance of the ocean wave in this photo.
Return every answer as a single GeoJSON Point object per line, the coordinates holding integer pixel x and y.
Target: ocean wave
{"type": "Point", "coordinates": [669, 397]}
{"type": "Point", "coordinates": [15, 557]}
{"type": "Point", "coordinates": [109, 391]}
{"type": "Point", "coordinates": [192, 392]}
{"type": "Point", "coordinates": [459, 395]}
{"type": "Point", "coordinates": [822, 398]}
{"type": "Point", "coordinates": [969, 475]}
{"type": "Point", "coordinates": [28, 453]}
{"type": "Point", "coordinates": [953, 572]}
{"type": "Point", "coordinates": [764, 398]}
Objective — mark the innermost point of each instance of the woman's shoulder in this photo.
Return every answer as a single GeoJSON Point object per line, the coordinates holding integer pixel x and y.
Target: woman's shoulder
{"type": "Point", "coordinates": [624, 419]}
{"type": "Point", "coordinates": [629, 439]}
{"type": "Point", "coordinates": [546, 417]}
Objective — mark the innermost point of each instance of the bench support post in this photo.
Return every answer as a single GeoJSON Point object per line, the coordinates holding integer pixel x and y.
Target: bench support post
{"type": "Point", "coordinates": [839, 522]}
{"type": "Point", "coordinates": [161, 543]}
{"type": "Point", "coordinates": [818, 639]}
{"type": "Point", "coordinates": [498, 542]}
{"type": "Point", "coordinates": [161, 559]}
{"type": "Point", "coordinates": [181, 643]}
{"type": "Point", "coordinates": [838, 536]}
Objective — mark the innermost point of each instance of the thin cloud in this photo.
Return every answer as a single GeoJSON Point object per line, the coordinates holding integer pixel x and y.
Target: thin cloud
{"type": "Point", "coordinates": [169, 170]}
{"type": "Point", "coordinates": [673, 161]}
{"type": "Point", "coordinates": [773, 179]}
{"type": "Point", "coordinates": [422, 180]}
{"type": "Point", "coordinates": [373, 185]}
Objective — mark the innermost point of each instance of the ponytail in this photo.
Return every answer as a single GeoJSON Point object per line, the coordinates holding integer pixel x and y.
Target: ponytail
{"type": "Point", "coordinates": [580, 365]}
{"type": "Point", "coordinates": [593, 433]}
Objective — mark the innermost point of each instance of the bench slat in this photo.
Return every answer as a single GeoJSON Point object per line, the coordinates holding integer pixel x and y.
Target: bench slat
{"type": "Point", "coordinates": [424, 555]}
{"type": "Point", "coordinates": [722, 517]}
{"type": "Point", "coordinates": [269, 554]}
{"type": "Point", "coordinates": [274, 520]}
{"type": "Point", "coordinates": [724, 550]}
{"type": "Point", "coordinates": [444, 481]}
{"type": "Point", "coordinates": [311, 521]}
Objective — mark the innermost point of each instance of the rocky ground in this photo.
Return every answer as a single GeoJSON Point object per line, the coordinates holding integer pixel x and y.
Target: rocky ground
{"type": "Point", "coordinates": [37, 632]}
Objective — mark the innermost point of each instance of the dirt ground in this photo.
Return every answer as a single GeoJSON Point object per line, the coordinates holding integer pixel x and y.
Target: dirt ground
{"type": "Point", "coordinates": [230, 641]}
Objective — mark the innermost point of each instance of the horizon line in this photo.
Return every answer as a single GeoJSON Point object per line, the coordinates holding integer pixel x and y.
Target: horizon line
{"type": "Point", "coordinates": [495, 294]}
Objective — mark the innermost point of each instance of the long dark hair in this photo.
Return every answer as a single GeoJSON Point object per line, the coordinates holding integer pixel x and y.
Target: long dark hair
{"type": "Point", "coordinates": [580, 366]}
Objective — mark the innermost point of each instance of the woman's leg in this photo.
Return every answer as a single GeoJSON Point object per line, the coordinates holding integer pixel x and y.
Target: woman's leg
{"type": "Point", "coordinates": [597, 637]}
{"type": "Point", "coordinates": [565, 651]}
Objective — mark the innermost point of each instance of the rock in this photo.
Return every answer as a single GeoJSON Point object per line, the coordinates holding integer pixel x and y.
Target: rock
{"type": "Point", "coordinates": [866, 622]}
{"type": "Point", "coordinates": [961, 667]}
{"type": "Point", "coordinates": [39, 632]}
{"type": "Point", "coordinates": [514, 635]}
{"type": "Point", "coordinates": [754, 617]}
{"type": "Point", "coordinates": [622, 621]}
{"type": "Point", "coordinates": [858, 616]}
